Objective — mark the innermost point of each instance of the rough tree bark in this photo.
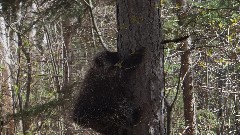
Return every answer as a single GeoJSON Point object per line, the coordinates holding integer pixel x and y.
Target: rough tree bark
{"type": "Point", "coordinates": [186, 74]}
{"type": "Point", "coordinates": [8, 8]}
{"type": "Point", "coordinates": [139, 26]}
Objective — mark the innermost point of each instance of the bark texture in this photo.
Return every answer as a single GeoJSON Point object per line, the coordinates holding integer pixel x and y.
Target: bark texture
{"type": "Point", "coordinates": [187, 87]}
{"type": "Point", "coordinates": [139, 26]}
{"type": "Point", "coordinates": [186, 74]}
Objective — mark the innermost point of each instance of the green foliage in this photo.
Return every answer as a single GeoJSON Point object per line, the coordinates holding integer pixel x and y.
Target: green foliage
{"type": "Point", "coordinates": [214, 29]}
{"type": "Point", "coordinates": [206, 122]}
{"type": "Point", "coordinates": [212, 24]}
{"type": "Point", "coordinates": [216, 15]}
{"type": "Point", "coordinates": [38, 109]}
{"type": "Point", "coordinates": [1, 67]}
{"type": "Point", "coordinates": [16, 89]}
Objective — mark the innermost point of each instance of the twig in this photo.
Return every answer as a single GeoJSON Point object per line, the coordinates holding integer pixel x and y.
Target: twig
{"type": "Point", "coordinates": [90, 6]}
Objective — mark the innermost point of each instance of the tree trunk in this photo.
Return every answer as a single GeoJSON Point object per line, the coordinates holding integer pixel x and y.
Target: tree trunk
{"type": "Point", "coordinates": [139, 26]}
{"type": "Point", "coordinates": [186, 75]}
{"type": "Point", "coordinates": [188, 96]}
{"type": "Point", "coordinates": [7, 126]}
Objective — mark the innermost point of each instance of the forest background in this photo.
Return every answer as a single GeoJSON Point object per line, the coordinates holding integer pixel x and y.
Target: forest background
{"type": "Point", "coordinates": [46, 47]}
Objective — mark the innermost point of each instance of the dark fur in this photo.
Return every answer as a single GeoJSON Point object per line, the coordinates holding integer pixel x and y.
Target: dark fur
{"type": "Point", "coordinates": [105, 102]}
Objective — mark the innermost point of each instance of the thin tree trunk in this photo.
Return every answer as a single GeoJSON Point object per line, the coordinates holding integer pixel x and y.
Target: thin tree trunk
{"type": "Point", "coordinates": [220, 84]}
{"type": "Point", "coordinates": [188, 96]}
{"type": "Point", "coordinates": [68, 29]}
{"type": "Point", "coordinates": [186, 74]}
{"type": "Point", "coordinates": [139, 26]}
{"type": "Point", "coordinates": [6, 75]}
{"type": "Point", "coordinates": [67, 35]}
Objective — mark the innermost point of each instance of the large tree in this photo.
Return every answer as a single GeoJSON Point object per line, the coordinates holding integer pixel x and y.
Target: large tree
{"type": "Point", "coordinates": [139, 26]}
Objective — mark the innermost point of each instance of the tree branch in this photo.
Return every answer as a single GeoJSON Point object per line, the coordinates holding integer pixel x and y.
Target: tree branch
{"type": "Point", "coordinates": [175, 40]}
{"type": "Point", "coordinates": [90, 6]}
